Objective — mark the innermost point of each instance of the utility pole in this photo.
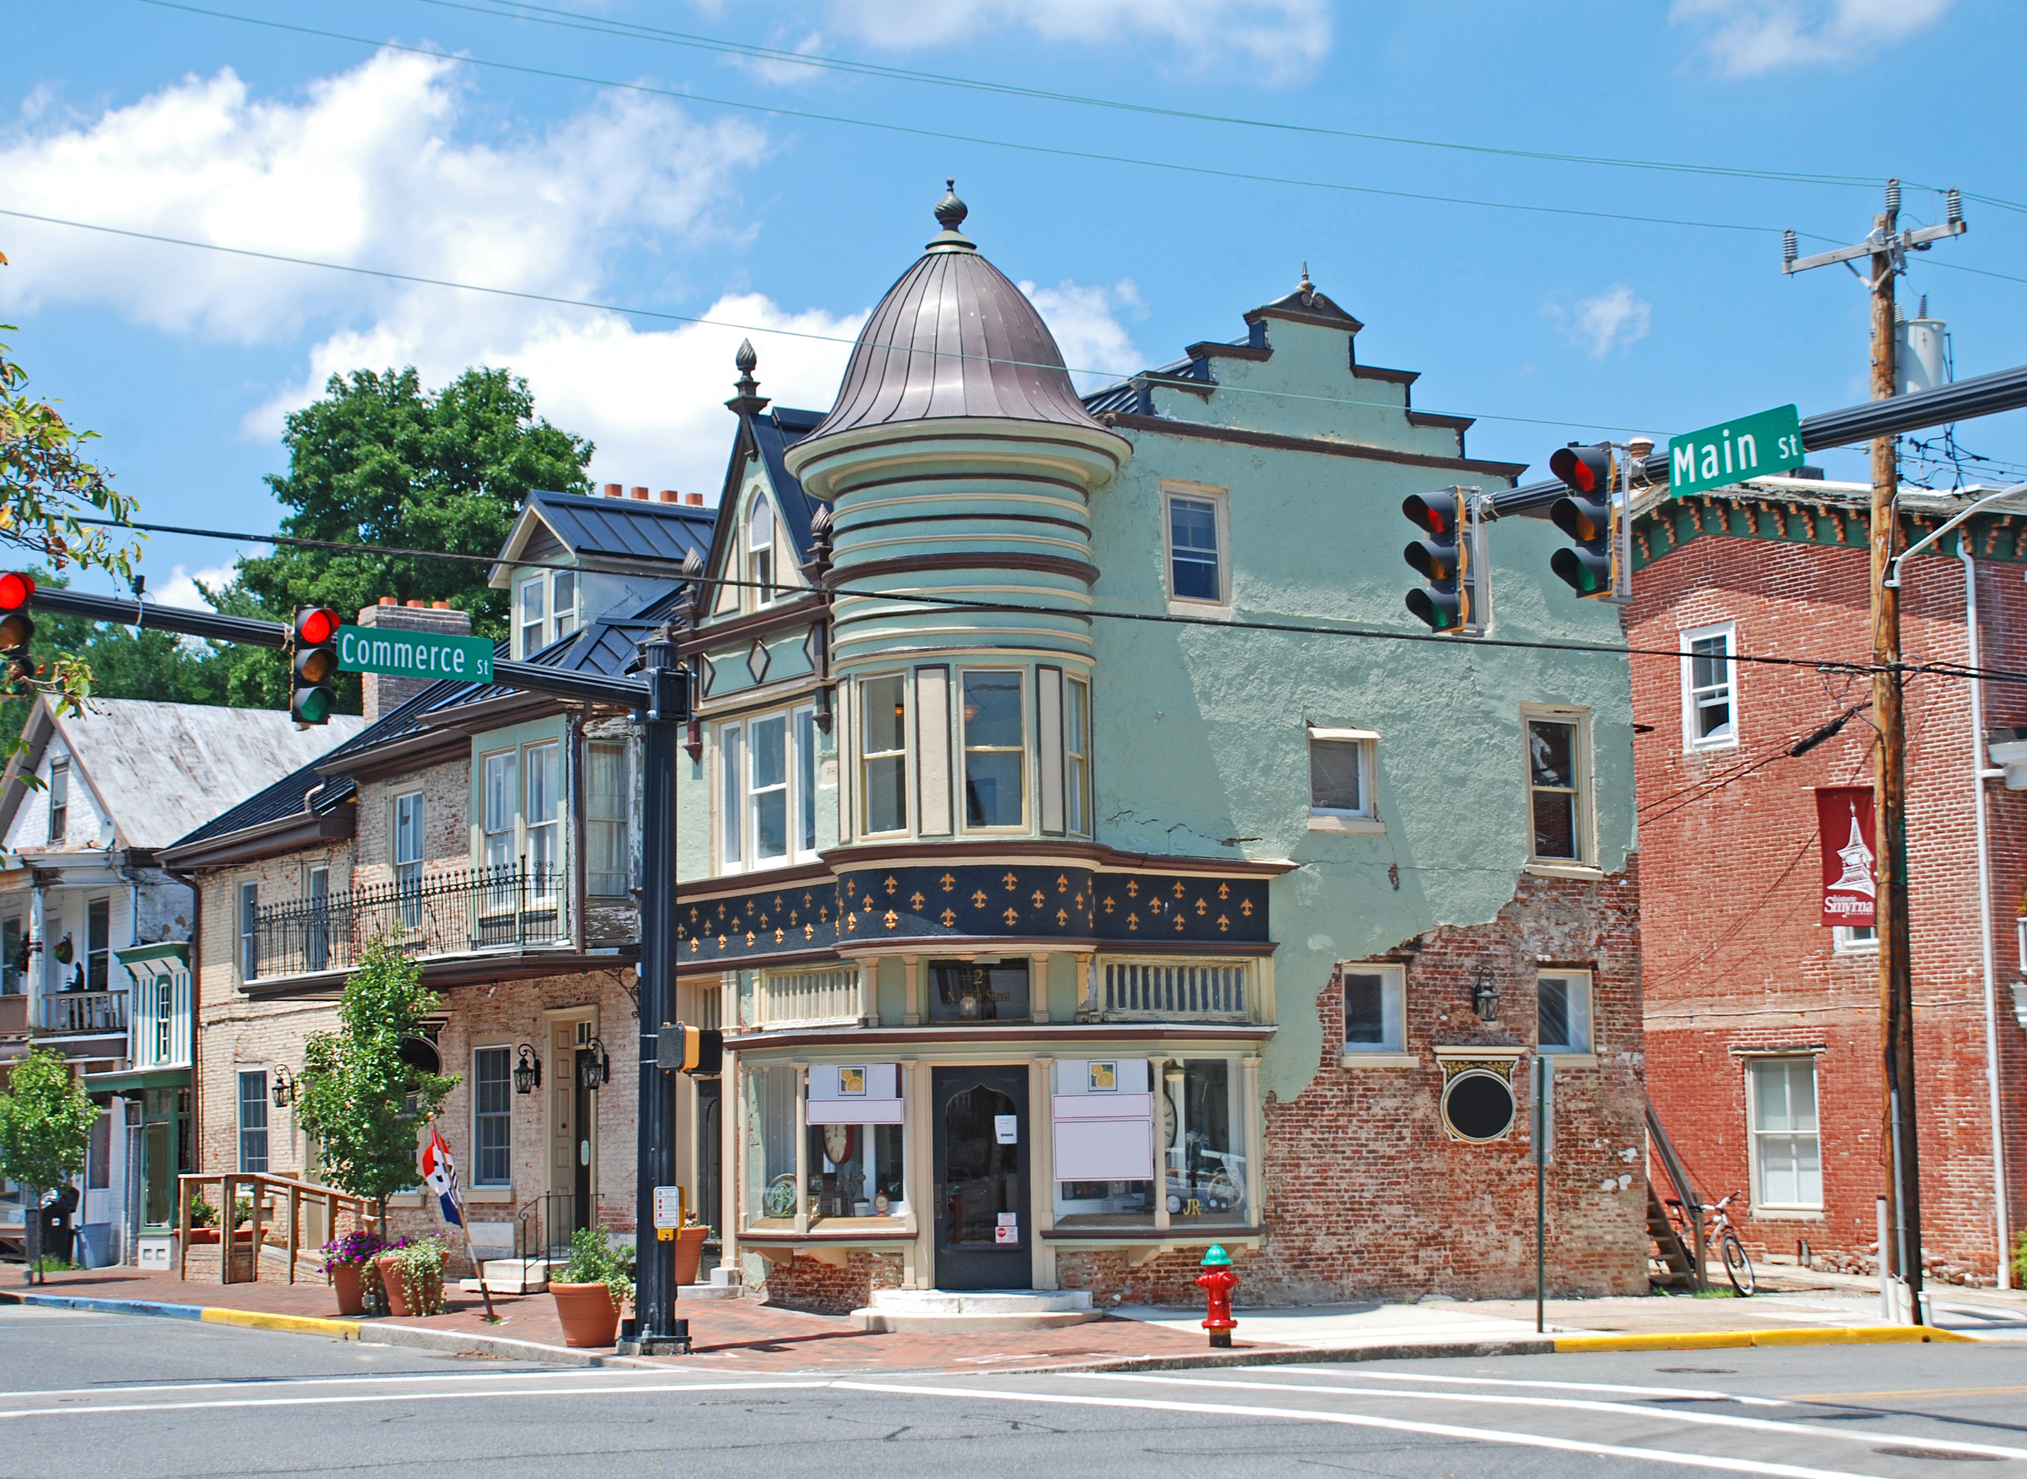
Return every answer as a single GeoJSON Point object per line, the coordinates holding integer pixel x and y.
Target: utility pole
{"type": "Point", "coordinates": [1885, 250]}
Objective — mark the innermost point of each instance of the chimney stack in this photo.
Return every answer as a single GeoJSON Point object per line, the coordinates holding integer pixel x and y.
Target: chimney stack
{"type": "Point", "coordinates": [641, 494]}
{"type": "Point", "coordinates": [694, 500]}
{"type": "Point", "coordinates": [669, 495]}
{"type": "Point", "coordinates": [614, 490]}
{"type": "Point", "coordinates": [382, 692]}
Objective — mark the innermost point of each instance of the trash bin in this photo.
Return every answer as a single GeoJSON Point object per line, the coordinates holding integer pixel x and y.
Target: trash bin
{"type": "Point", "coordinates": [56, 1231]}
{"type": "Point", "coordinates": [95, 1245]}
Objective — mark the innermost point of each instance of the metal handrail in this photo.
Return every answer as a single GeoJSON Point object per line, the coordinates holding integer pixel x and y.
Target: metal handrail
{"type": "Point", "coordinates": [468, 911]}
{"type": "Point", "coordinates": [1678, 1175]}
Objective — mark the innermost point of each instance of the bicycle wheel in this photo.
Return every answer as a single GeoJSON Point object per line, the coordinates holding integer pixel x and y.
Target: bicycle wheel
{"type": "Point", "coordinates": [1737, 1267]}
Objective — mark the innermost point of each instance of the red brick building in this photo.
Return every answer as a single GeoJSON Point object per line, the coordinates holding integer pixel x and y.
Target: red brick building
{"type": "Point", "coordinates": [1762, 1025]}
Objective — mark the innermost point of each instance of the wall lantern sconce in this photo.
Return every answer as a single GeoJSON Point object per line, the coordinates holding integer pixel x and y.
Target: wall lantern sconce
{"type": "Point", "coordinates": [1485, 995]}
{"type": "Point", "coordinates": [693, 740]}
{"type": "Point", "coordinates": [285, 1087]}
{"type": "Point", "coordinates": [528, 1071]}
{"type": "Point", "coordinates": [595, 1067]}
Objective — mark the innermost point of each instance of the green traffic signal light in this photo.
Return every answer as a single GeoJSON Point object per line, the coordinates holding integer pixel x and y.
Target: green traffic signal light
{"type": "Point", "coordinates": [1585, 566]}
{"type": "Point", "coordinates": [312, 705]}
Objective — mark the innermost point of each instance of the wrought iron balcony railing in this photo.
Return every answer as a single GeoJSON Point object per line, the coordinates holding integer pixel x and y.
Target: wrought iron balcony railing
{"type": "Point", "coordinates": [468, 912]}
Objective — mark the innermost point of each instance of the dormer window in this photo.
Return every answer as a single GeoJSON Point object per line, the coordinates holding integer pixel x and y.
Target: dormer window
{"type": "Point", "coordinates": [545, 610]}
{"type": "Point", "coordinates": [760, 550]}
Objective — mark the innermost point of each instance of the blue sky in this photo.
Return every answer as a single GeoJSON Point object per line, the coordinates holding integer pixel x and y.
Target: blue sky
{"type": "Point", "coordinates": [179, 123]}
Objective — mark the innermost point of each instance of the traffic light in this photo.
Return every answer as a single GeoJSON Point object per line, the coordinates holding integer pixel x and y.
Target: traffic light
{"type": "Point", "coordinates": [1445, 556]}
{"type": "Point", "coordinates": [17, 630]}
{"type": "Point", "coordinates": [1588, 515]}
{"type": "Point", "coordinates": [316, 665]}
{"type": "Point", "coordinates": [698, 1051]}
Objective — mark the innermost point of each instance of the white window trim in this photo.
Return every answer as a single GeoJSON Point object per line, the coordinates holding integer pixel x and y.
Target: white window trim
{"type": "Point", "coordinates": [1392, 1051]}
{"type": "Point", "coordinates": [491, 1191]}
{"type": "Point", "coordinates": [1842, 943]}
{"type": "Point", "coordinates": [1365, 818]}
{"type": "Point", "coordinates": [781, 587]}
{"type": "Point", "coordinates": [1776, 1211]}
{"type": "Point", "coordinates": [1569, 1055]}
{"type": "Point", "coordinates": [547, 579]}
{"type": "Point", "coordinates": [792, 792]}
{"type": "Point", "coordinates": [517, 827]}
{"type": "Point", "coordinates": [1221, 500]}
{"type": "Point", "coordinates": [1585, 864]}
{"type": "Point", "coordinates": [960, 755]}
{"type": "Point", "coordinates": [910, 754]}
{"type": "Point", "coordinates": [1690, 636]}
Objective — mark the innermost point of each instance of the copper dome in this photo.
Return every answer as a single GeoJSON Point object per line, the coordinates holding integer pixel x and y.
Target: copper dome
{"type": "Point", "coordinates": [954, 337]}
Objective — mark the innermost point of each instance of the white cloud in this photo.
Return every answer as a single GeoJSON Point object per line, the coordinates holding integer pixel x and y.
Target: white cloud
{"type": "Point", "coordinates": [1611, 320]}
{"type": "Point", "coordinates": [1750, 37]}
{"type": "Point", "coordinates": [182, 586]}
{"type": "Point", "coordinates": [367, 170]}
{"type": "Point", "coordinates": [1277, 38]}
{"type": "Point", "coordinates": [1085, 320]}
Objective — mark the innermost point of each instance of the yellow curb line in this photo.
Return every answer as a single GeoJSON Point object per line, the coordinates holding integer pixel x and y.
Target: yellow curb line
{"type": "Point", "coordinates": [1703, 1340]}
{"type": "Point", "coordinates": [296, 1324]}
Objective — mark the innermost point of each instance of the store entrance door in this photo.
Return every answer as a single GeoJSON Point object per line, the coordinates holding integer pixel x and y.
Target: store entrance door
{"type": "Point", "coordinates": [982, 1224]}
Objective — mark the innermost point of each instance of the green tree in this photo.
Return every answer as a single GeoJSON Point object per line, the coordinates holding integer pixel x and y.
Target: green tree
{"type": "Point", "coordinates": [362, 1103]}
{"type": "Point", "coordinates": [381, 461]}
{"type": "Point", "coordinates": [46, 1121]}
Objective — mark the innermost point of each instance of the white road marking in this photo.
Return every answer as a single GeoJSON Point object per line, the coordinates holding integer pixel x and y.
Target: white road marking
{"type": "Point", "coordinates": [1388, 1424]}
{"type": "Point", "coordinates": [579, 1390]}
{"type": "Point", "coordinates": [1578, 1404]}
{"type": "Point", "coordinates": [281, 1383]}
{"type": "Point", "coordinates": [1700, 1394]}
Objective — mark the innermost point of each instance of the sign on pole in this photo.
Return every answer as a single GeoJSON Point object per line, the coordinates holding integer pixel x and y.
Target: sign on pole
{"type": "Point", "coordinates": [414, 654]}
{"type": "Point", "coordinates": [1763, 445]}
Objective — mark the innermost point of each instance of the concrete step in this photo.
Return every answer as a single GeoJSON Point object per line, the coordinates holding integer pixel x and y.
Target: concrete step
{"type": "Point", "coordinates": [984, 1311]}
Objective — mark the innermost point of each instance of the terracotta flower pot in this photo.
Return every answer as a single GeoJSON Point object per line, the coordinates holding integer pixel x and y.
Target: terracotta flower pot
{"type": "Point", "coordinates": [588, 1312]}
{"type": "Point", "coordinates": [689, 1252]}
{"type": "Point", "coordinates": [345, 1279]}
{"type": "Point", "coordinates": [406, 1296]}
{"type": "Point", "coordinates": [200, 1235]}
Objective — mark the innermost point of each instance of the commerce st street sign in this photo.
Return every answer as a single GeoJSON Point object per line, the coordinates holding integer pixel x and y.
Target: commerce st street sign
{"type": "Point", "coordinates": [1765, 444]}
{"type": "Point", "coordinates": [414, 654]}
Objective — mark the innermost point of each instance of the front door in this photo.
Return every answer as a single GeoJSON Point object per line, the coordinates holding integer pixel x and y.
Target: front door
{"type": "Point", "coordinates": [982, 1224]}
{"type": "Point", "coordinates": [583, 1213]}
{"type": "Point", "coordinates": [710, 1152]}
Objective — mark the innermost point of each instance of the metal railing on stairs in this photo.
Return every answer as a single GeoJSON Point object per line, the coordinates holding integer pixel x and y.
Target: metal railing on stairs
{"type": "Point", "coordinates": [1678, 1177]}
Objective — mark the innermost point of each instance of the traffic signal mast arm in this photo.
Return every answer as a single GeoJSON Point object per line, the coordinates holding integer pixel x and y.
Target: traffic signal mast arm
{"type": "Point", "coordinates": [1984, 395]}
{"type": "Point", "coordinates": [532, 677]}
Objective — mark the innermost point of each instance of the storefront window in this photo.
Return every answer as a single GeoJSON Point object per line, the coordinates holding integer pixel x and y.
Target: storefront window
{"type": "Point", "coordinates": [1203, 1121]}
{"type": "Point", "coordinates": [855, 1171]}
{"type": "Point", "coordinates": [769, 1158]}
{"type": "Point", "coordinates": [979, 991]}
{"type": "Point", "coordinates": [1104, 1143]}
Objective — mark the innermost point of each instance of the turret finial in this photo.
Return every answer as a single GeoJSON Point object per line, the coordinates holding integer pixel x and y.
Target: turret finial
{"type": "Point", "coordinates": [950, 214]}
{"type": "Point", "coordinates": [749, 401]}
{"type": "Point", "coordinates": [1306, 288]}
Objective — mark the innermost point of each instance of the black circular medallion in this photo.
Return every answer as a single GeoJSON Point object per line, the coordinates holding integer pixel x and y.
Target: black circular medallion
{"type": "Point", "coordinates": [1478, 1105]}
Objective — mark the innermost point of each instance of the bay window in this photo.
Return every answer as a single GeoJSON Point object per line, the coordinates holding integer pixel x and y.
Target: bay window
{"type": "Point", "coordinates": [606, 861]}
{"type": "Point", "coordinates": [502, 785]}
{"type": "Point", "coordinates": [544, 815]}
{"type": "Point", "coordinates": [995, 750]}
{"type": "Point", "coordinates": [1077, 756]}
{"type": "Point", "coordinates": [545, 610]}
{"type": "Point", "coordinates": [883, 740]}
{"type": "Point", "coordinates": [767, 780]}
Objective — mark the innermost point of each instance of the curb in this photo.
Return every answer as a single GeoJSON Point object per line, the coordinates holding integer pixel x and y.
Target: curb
{"type": "Point", "coordinates": [1293, 1356]}
{"type": "Point", "coordinates": [1704, 1340]}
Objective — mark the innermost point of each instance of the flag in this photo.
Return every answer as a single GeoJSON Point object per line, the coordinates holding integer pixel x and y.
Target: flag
{"type": "Point", "coordinates": [439, 1174]}
{"type": "Point", "coordinates": [1844, 820]}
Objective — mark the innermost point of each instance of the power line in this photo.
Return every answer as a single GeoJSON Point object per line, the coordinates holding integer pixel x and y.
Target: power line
{"type": "Point", "coordinates": [944, 136]}
{"type": "Point", "coordinates": [665, 316]}
{"type": "Point", "coordinates": [1288, 628]}
{"type": "Point", "coordinates": [633, 30]}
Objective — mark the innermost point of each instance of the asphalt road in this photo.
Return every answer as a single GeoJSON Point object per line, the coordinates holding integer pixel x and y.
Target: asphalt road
{"type": "Point", "coordinates": [92, 1395]}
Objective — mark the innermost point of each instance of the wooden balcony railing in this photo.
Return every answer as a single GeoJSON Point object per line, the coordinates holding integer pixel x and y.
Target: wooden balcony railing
{"type": "Point", "coordinates": [1173, 991]}
{"type": "Point", "coordinates": [828, 997]}
{"type": "Point", "coordinates": [83, 1011]}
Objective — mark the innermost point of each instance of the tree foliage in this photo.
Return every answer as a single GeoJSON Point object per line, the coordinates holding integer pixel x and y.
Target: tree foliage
{"type": "Point", "coordinates": [381, 461]}
{"type": "Point", "coordinates": [363, 1104]}
{"type": "Point", "coordinates": [46, 1121]}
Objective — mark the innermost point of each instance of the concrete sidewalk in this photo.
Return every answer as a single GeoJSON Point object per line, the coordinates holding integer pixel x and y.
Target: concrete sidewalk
{"type": "Point", "coordinates": [748, 1335]}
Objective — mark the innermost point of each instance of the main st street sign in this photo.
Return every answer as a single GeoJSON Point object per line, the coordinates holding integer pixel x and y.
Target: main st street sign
{"type": "Point", "coordinates": [1765, 444]}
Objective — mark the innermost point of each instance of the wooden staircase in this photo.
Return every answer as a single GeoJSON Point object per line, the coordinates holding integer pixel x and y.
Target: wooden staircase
{"type": "Point", "coordinates": [1674, 1264]}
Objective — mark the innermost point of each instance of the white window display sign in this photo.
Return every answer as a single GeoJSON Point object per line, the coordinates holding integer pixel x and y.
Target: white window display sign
{"type": "Point", "coordinates": [855, 1094]}
{"type": "Point", "coordinates": [1104, 1137]}
{"type": "Point", "coordinates": [1007, 1128]}
{"type": "Point", "coordinates": [1008, 1229]}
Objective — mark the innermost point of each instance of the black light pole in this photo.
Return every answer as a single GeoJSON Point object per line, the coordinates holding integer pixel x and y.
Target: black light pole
{"type": "Point", "coordinates": [661, 720]}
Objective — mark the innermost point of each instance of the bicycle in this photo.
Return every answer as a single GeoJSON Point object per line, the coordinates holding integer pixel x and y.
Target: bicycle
{"type": "Point", "coordinates": [1737, 1266]}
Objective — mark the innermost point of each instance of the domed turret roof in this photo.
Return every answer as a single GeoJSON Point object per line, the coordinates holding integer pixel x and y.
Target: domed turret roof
{"type": "Point", "coordinates": [954, 338]}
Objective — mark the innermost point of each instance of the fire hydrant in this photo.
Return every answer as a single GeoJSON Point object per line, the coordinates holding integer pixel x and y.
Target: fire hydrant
{"type": "Point", "coordinates": [1217, 1286]}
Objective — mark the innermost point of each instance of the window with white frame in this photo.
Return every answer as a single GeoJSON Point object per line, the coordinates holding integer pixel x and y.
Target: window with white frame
{"type": "Point", "coordinates": [1374, 1013]}
{"type": "Point", "coordinates": [760, 549]}
{"type": "Point", "coordinates": [253, 1121]}
{"type": "Point", "coordinates": [545, 609]}
{"type": "Point", "coordinates": [1195, 529]}
{"type": "Point", "coordinates": [767, 790]}
{"type": "Point", "coordinates": [501, 787]}
{"type": "Point", "coordinates": [1558, 785]}
{"type": "Point", "coordinates": [1563, 1012]}
{"type": "Point", "coordinates": [1787, 1142]}
{"type": "Point", "coordinates": [249, 931]}
{"type": "Point", "coordinates": [408, 840]}
{"type": "Point", "coordinates": [995, 750]}
{"type": "Point", "coordinates": [1077, 756]}
{"type": "Point", "coordinates": [543, 815]}
{"type": "Point", "coordinates": [59, 800]}
{"type": "Point", "coordinates": [319, 941]}
{"type": "Point", "coordinates": [883, 751]}
{"type": "Point", "coordinates": [1854, 939]}
{"type": "Point", "coordinates": [607, 857]}
{"type": "Point", "coordinates": [98, 945]}
{"type": "Point", "coordinates": [1709, 688]}
{"type": "Point", "coordinates": [493, 1117]}
{"type": "Point", "coordinates": [1340, 773]}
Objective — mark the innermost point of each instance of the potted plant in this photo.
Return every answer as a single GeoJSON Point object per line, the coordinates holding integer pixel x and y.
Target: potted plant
{"type": "Point", "coordinates": [412, 1274]}
{"type": "Point", "coordinates": [690, 1240]}
{"type": "Point", "coordinates": [347, 1263]}
{"type": "Point", "coordinates": [203, 1222]}
{"type": "Point", "coordinates": [592, 1288]}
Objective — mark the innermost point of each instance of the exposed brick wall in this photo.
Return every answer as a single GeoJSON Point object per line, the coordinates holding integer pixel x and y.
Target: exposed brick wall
{"type": "Point", "coordinates": [823, 1288]}
{"type": "Point", "coordinates": [1735, 956]}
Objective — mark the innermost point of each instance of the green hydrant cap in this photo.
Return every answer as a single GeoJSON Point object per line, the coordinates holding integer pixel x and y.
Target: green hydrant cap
{"type": "Point", "coordinates": [1217, 1258]}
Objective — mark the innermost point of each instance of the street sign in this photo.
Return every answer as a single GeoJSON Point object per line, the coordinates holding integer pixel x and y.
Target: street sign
{"type": "Point", "coordinates": [1765, 444]}
{"type": "Point", "coordinates": [669, 1208]}
{"type": "Point", "coordinates": [414, 654]}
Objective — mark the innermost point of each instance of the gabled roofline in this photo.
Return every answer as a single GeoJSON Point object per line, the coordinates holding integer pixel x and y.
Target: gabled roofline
{"type": "Point", "coordinates": [35, 735]}
{"type": "Point", "coordinates": [271, 839]}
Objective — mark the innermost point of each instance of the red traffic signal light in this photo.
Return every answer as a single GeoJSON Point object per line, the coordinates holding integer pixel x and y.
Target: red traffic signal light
{"type": "Point", "coordinates": [1586, 469]}
{"type": "Point", "coordinates": [315, 625]}
{"type": "Point", "coordinates": [1448, 603]}
{"type": "Point", "coordinates": [316, 665]}
{"type": "Point", "coordinates": [17, 630]}
{"type": "Point", "coordinates": [16, 590]}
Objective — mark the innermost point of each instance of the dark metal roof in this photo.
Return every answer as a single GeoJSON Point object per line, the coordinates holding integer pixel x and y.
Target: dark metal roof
{"type": "Point", "coordinates": [626, 528]}
{"type": "Point", "coordinates": [954, 338]}
{"type": "Point", "coordinates": [774, 432]}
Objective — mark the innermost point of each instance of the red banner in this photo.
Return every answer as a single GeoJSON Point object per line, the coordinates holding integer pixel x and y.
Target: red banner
{"type": "Point", "coordinates": [1844, 819]}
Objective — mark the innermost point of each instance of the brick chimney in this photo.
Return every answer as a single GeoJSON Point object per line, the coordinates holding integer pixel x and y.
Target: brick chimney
{"type": "Point", "coordinates": [383, 692]}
